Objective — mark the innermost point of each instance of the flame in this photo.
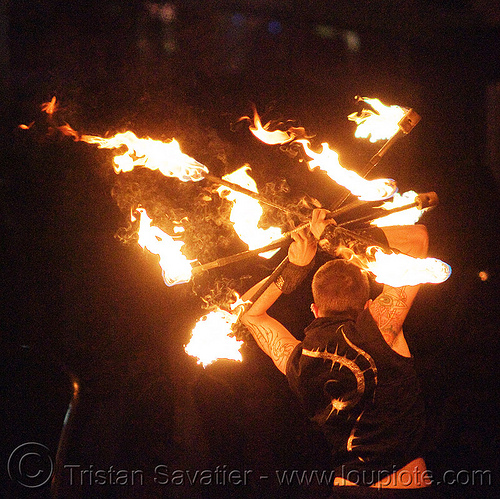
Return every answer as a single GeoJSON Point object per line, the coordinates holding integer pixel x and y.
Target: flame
{"type": "Point", "coordinates": [402, 270]}
{"type": "Point", "coordinates": [246, 212]}
{"type": "Point", "coordinates": [67, 130]}
{"type": "Point", "coordinates": [50, 107]}
{"type": "Point", "coordinates": [211, 338]}
{"type": "Point", "coordinates": [407, 217]}
{"type": "Point", "coordinates": [274, 137]}
{"type": "Point", "coordinates": [176, 268]}
{"type": "Point", "coordinates": [398, 270]}
{"type": "Point", "coordinates": [328, 161]}
{"type": "Point", "coordinates": [379, 125]}
{"type": "Point", "coordinates": [166, 157]}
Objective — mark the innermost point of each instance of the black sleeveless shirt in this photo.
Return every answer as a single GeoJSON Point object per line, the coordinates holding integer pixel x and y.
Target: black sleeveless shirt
{"type": "Point", "coordinates": [364, 396]}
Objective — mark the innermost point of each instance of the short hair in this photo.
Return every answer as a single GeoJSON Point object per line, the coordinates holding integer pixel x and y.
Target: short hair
{"type": "Point", "coordinates": [340, 286]}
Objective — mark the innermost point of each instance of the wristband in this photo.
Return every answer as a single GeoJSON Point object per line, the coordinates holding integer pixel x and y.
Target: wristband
{"type": "Point", "coordinates": [291, 276]}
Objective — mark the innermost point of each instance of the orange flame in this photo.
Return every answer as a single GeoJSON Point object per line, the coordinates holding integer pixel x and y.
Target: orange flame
{"type": "Point", "coordinates": [380, 124]}
{"type": "Point", "coordinates": [402, 270]}
{"type": "Point", "coordinates": [273, 137]}
{"type": "Point", "coordinates": [398, 270]}
{"type": "Point", "coordinates": [328, 161]}
{"type": "Point", "coordinates": [166, 157]}
{"type": "Point", "coordinates": [407, 217]}
{"type": "Point", "coordinates": [50, 107]}
{"type": "Point", "coordinates": [176, 268]}
{"type": "Point", "coordinates": [246, 212]}
{"type": "Point", "coordinates": [67, 130]}
{"type": "Point", "coordinates": [211, 338]}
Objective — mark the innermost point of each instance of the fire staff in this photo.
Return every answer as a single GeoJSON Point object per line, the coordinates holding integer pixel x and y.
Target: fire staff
{"type": "Point", "coordinates": [353, 373]}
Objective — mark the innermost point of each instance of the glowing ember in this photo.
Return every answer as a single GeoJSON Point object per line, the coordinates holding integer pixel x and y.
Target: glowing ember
{"type": "Point", "coordinates": [484, 276]}
{"type": "Point", "coordinates": [50, 107]}
{"type": "Point", "coordinates": [379, 125]}
{"type": "Point", "coordinates": [367, 190]}
{"type": "Point", "coordinates": [211, 340]}
{"type": "Point", "coordinates": [26, 127]}
{"type": "Point", "coordinates": [407, 217]}
{"type": "Point", "coordinates": [166, 157]}
{"type": "Point", "coordinates": [176, 268]}
{"type": "Point", "coordinates": [246, 212]}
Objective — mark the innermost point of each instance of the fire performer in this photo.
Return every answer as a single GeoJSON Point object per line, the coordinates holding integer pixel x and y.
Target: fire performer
{"type": "Point", "coordinates": [353, 373]}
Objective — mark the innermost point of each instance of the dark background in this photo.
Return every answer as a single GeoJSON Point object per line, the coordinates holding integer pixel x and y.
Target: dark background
{"type": "Point", "coordinates": [82, 305]}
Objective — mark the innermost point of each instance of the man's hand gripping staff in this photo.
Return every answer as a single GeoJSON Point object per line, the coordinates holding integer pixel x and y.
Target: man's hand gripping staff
{"type": "Point", "coordinates": [271, 336]}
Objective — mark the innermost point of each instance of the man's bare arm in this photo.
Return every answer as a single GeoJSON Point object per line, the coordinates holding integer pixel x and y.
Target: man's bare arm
{"type": "Point", "coordinates": [271, 336]}
{"type": "Point", "coordinates": [391, 307]}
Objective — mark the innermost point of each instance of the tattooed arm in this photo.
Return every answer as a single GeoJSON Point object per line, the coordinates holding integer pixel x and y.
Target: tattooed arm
{"type": "Point", "coordinates": [391, 307]}
{"type": "Point", "coordinates": [271, 336]}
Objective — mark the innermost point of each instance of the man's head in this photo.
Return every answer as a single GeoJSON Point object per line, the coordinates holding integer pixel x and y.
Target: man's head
{"type": "Point", "coordinates": [339, 286]}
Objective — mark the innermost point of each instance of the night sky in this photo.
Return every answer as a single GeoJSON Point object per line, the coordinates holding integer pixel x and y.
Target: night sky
{"type": "Point", "coordinates": [84, 303]}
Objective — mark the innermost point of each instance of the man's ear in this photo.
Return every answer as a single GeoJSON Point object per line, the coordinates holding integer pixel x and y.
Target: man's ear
{"type": "Point", "coordinates": [314, 310]}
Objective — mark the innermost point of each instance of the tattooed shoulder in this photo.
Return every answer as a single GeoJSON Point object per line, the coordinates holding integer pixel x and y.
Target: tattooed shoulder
{"type": "Point", "coordinates": [389, 311]}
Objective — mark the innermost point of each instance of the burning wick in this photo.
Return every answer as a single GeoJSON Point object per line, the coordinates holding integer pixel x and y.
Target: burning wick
{"type": "Point", "coordinates": [380, 124]}
{"type": "Point", "coordinates": [166, 157]}
{"type": "Point", "coordinates": [402, 270]}
{"type": "Point", "coordinates": [398, 269]}
{"type": "Point", "coordinates": [407, 217]}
